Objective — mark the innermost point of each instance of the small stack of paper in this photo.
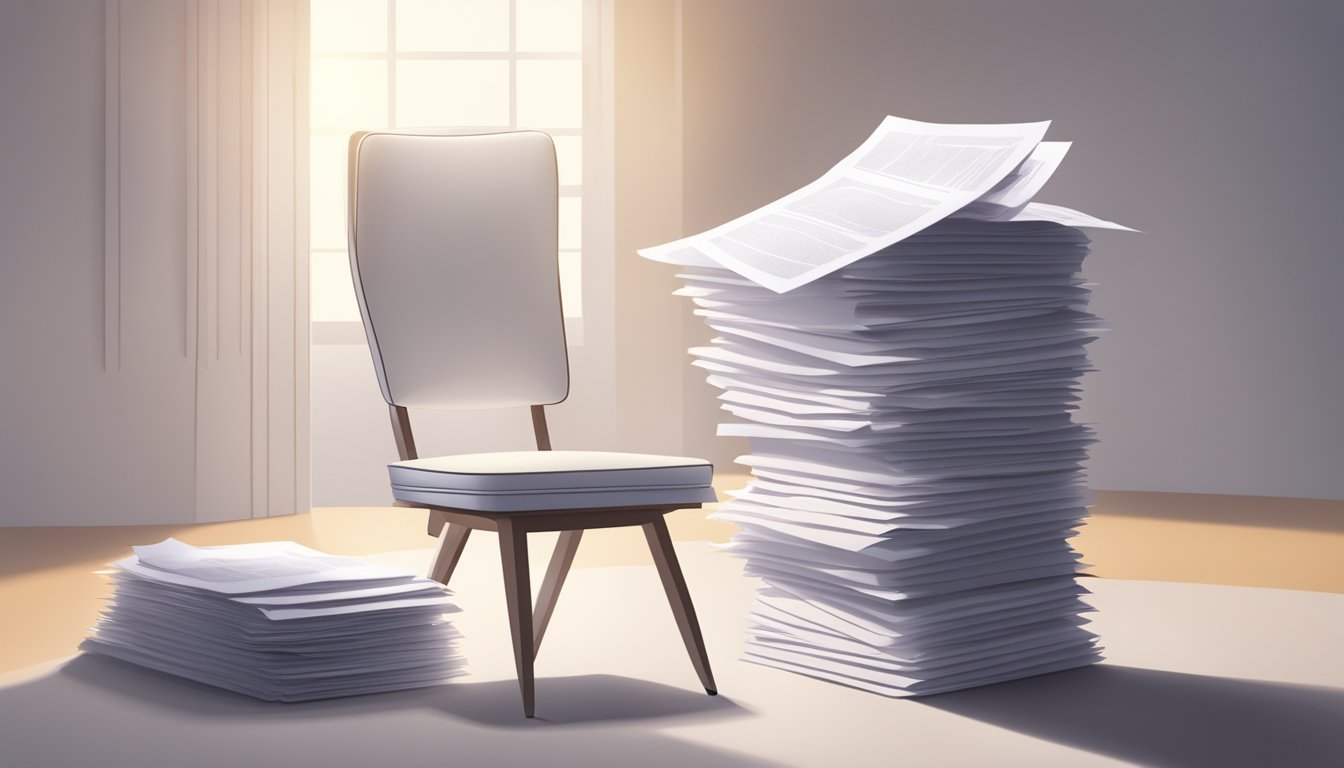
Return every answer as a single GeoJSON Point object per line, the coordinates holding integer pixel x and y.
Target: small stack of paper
{"type": "Point", "coordinates": [277, 621]}
{"type": "Point", "coordinates": [902, 343]}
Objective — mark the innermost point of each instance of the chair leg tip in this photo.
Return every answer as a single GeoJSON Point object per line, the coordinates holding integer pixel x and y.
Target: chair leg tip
{"type": "Point", "coordinates": [712, 691]}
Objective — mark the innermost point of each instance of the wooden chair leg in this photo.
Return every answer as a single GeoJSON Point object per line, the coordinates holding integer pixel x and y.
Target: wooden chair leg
{"type": "Point", "coordinates": [561, 559]}
{"type": "Point", "coordinates": [665, 557]}
{"type": "Point", "coordinates": [435, 524]}
{"type": "Point", "coordinates": [452, 541]}
{"type": "Point", "coordinates": [518, 593]}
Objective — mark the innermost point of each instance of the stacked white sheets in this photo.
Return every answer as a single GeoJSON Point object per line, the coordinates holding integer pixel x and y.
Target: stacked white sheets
{"type": "Point", "coordinates": [916, 472]}
{"type": "Point", "coordinates": [277, 621]}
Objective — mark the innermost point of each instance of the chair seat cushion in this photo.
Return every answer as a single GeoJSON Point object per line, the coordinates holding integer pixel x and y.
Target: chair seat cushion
{"type": "Point", "coordinates": [517, 481]}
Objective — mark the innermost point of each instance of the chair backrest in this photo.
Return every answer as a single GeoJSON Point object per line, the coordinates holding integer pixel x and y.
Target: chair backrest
{"type": "Point", "coordinates": [453, 251]}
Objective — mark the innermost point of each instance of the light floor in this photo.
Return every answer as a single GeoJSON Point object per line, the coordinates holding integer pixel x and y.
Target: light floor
{"type": "Point", "coordinates": [1195, 675]}
{"type": "Point", "coordinates": [49, 595]}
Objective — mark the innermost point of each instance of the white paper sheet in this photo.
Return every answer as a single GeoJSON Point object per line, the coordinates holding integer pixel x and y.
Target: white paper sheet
{"type": "Point", "coordinates": [1009, 197]}
{"type": "Point", "coordinates": [906, 176]}
{"type": "Point", "coordinates": [247, 568]}
{"type": "Point", "coordinates": [1058, 214]}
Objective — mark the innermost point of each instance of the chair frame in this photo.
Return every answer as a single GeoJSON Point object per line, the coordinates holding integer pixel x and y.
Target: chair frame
{"type": "Point", "coordinates": [453, 526]}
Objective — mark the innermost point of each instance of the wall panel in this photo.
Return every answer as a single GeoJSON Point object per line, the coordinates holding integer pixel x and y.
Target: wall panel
{"type": "Point", "coordinates": [130, 318]}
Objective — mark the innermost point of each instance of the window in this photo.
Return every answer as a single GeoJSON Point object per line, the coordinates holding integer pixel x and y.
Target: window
{"type": "Point", "coordinates": [490, 64]}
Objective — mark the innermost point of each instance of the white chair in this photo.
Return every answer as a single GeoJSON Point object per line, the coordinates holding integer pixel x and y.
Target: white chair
{"type": "Point", "coordinates": [453, 250]}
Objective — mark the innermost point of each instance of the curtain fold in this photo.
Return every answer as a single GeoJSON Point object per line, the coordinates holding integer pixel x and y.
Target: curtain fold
{"type": "Point", "coordinates": [239, 155]}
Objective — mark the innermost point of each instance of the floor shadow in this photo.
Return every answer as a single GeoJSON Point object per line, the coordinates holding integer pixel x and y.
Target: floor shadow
{"type": "Point", "coordinates": [1155, 718]}
{"type": "Point", "coordinates": [130, 717]}
{"type": "Point", "coordinates": [583, 700]}
{"type": "Point", "coordinates": [578, 700]}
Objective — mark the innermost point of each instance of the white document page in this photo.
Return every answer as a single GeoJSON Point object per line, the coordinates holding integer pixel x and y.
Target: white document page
{"type": "Point", "coordinates": [906, 176]}
{"type": "Point", "coordinates": [247, 568]}
{"type": "Point", "coordinates": [404, 589]}
{"type": "Point", "coordinates": [1066, 216]}
{"type": "Point", "coordinates": [1015, 191]}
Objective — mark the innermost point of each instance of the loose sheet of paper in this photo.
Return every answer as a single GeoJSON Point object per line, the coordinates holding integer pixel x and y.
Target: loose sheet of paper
{"type": "Point", "coordinates": [906, 176]}
{"type": "Point", "coordinates": [247, 567]}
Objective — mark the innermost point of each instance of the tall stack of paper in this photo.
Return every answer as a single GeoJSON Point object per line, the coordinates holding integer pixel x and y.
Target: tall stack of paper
{"type": "Point", "coordinates": [906, 379]}
{"type": "Point", "coordinates": [277, 621]}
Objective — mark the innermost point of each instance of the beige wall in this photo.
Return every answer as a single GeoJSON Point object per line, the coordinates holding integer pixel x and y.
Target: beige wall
{"type": "Point", "coordinates": [81, 419]}
{"type": "Point", "coordinates": [650, 359]}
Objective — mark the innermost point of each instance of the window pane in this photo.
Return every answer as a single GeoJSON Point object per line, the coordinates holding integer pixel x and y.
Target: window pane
{"type": "Point", "coordinates": [333, 294]}
{"type": "Point", "coordinates": [571, 223]}
{"type": "Point", "coordinates": [569, 159]}
{"type": "Point", "coordinates": [461, 93]}
{"type": "Point", "coordinates": [348, 95]}
{"type": "Point", "coordinates": [326, 192]}
{"type": "Point", "coordinates": [349, 25]}
{"type": "Point", "coordinates": [550, 25]}
{"type": "Point", "coordinates": [452, 25]}
{"type": "Point", "coordinates": [571, 284]}
{"type": "Point", "coordinates": [550, 94]}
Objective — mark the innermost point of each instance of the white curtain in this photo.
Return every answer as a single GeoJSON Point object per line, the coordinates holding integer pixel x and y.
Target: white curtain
{"type": "Point", "coordinates": [239, 155]}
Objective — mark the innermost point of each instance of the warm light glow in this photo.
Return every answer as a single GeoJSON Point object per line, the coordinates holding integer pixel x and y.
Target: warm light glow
{"type": "Point", "coordinates": [349, 26]}
{"type": "Point", "coordinates": [452, 25]}
{"type": "Point", "coordinates": [467, 93]}
{"type": "Point", "coordinates": [348, 95]}
{"type": "Point", "coordinates": [326, 192]}
{"type": "Point", "coordinates": [569, 158]}
{"type": "Point", "coordinates": [550, 25]}
{"type": "Point", "coordinates": [571, 223]}
{"type": "Point", "coordinates": [571, 286]}
{"type": "Point", "coordinates": [550, 94]}
{"type": "Point", "coordinates": [333, 295]}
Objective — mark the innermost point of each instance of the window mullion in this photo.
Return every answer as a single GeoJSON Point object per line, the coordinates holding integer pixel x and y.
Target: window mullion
{"type": "Point", "coordinates": [391, 54]}
{"type": "Point", "coordinates": [513, 64]}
